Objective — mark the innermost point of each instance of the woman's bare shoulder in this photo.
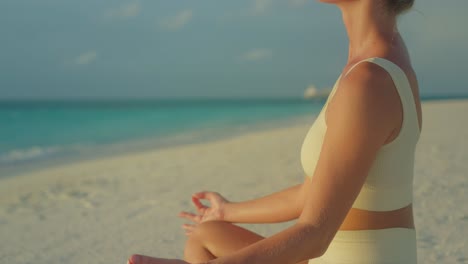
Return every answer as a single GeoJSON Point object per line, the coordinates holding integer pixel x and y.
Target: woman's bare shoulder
{"type": "Point", "coordinates": [367, 88]}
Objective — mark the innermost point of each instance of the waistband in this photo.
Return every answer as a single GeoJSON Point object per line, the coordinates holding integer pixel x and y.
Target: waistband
{"type": "Point", "coordinates": [369, 235]}
{"type": "Point", "coordinates": [389, 246]}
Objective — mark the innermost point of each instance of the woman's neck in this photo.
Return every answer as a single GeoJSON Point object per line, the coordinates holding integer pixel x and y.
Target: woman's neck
{"type": "Point", "coordinates": [371, 29]}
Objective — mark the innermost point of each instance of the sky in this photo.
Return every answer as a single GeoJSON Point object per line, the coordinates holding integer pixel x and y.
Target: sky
{"type": "Point", "coordinates": [144, 49]}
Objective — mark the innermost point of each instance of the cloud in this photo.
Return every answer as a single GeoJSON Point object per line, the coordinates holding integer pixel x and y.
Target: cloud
{"type": "Point", "coordinates": [257, 54]}
{"type": "Point", "coordinates": [124, 11]}
{"type": "Point", "coordinates": [297, 3]}
{"type": "Point", "coordinates": [176, 22]}
{"type": "Point", "coordinates": [260, 7]}
{"type": "Point", "coordinates": [86, 58]}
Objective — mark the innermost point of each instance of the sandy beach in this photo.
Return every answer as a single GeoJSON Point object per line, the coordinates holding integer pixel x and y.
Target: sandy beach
{"type": "Point", "coordinates": [104, 210]}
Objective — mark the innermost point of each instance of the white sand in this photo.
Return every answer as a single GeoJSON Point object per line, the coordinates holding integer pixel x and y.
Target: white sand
{"type": "Point", "coordinates": [104, 210]}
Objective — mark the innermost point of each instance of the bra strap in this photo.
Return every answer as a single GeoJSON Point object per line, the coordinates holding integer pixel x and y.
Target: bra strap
{"type": "Point", "coordinates": [403, 87]}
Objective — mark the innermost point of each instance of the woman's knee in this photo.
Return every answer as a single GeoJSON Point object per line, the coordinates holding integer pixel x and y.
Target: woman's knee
{"type": "Point", "coordinates": [203, 234]}
{"type": "Point", "coordinates": [196, 249]}
{"type": "Point", "coordinates": [193, 244]}
{"type": "Point", "coordinates": [206, 229]}
{"type": "Point", "coordinates": [218, 238]}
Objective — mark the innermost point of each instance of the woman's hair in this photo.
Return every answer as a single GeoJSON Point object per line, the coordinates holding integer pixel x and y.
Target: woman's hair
{"type": "Point", "coordinates": [400, 6]}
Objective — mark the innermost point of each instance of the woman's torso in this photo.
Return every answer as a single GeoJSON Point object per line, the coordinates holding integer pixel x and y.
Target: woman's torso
{"type": "Point", "coordinates": [357, 219]}
{"type": "Point", "coordinates": [402, 217]}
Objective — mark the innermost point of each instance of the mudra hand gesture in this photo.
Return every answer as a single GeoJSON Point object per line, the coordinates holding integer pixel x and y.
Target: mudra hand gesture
{"type": "Point", "coordinates": [216, 210]}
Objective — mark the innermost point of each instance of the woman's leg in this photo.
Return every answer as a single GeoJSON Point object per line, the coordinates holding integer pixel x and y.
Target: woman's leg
{"type": "Point", "coordinates": [214, 239]}
{"type": "Point", "coordinates": [210, 240]}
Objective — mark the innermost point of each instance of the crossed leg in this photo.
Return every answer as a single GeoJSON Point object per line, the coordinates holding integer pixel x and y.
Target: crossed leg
{"type": "Point", "coordinates": [207, 241]}
{"type": "Point", "coordinates": [213, 239]}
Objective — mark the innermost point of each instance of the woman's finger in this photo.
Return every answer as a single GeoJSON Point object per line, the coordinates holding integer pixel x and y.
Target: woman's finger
{"type": "Point", "coordinates": [200, 207]}
{"type": "Point", "coordinates": [210, 196]}
{"type": "Point", "coordinates": [188, 232]}
{"type": "Point", "coordinates": [200, 195]}
{"type": "Point", "coordinates": [188, 227]}
{"type": "Point", "coordinates": [190, 216]}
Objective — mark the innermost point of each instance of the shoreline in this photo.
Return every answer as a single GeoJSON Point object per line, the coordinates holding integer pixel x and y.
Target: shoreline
{"type": "Point", "coordinates": [138, 146]}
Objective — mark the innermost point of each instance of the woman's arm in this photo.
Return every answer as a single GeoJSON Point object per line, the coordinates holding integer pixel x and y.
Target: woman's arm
{"type": "Point", "coordinates": [281, 206]}
{"type": "Point", "coordinates": [358, 126]}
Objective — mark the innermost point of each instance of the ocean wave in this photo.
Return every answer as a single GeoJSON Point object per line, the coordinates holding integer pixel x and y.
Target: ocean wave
{"type": "Point", "coordinates": [32, 153]}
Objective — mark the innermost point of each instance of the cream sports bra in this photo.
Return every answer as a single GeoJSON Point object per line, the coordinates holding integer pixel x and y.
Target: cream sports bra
{"type": "Point", "coordinates": [389, 184]}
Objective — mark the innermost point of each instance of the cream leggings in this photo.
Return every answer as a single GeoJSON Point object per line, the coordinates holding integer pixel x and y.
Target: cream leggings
{"type": "Point", "coordinates": [382, 246]}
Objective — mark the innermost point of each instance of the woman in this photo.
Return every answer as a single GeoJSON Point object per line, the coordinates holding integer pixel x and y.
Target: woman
{"type": "Point", "coordinates": [355, 205]}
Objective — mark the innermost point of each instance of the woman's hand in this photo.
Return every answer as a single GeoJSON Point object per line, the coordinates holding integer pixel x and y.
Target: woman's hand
{"type": "Point", "coordinates": [216, 210]}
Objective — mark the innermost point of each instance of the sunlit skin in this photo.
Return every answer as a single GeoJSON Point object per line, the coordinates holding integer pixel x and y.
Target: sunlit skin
{"type": "Point", "coordinates": [322, 203]}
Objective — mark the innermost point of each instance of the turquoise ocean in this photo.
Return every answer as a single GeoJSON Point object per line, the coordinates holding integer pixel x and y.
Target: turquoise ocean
{"type": "Point", "coordinates": [38, 133]}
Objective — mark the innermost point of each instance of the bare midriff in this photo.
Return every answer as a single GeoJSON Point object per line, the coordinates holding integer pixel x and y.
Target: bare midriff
{"type": "Point", "coordinates": [358, 219]}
